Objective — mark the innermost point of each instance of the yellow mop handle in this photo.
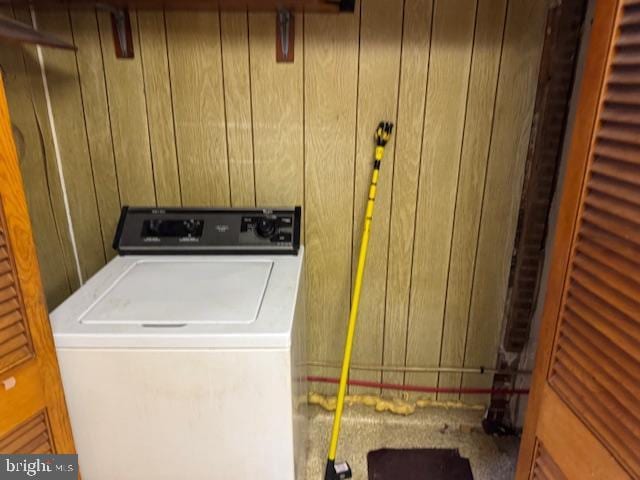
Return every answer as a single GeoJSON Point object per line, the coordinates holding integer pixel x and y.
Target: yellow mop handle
{"type": "Point", "coordinates": [383, 133]}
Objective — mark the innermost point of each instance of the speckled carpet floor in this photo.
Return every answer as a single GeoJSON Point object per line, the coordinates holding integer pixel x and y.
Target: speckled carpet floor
{"type": "Point", "coordinates": [363, 430]}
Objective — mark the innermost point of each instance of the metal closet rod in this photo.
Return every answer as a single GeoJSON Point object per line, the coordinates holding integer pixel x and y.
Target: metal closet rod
{"type": "Point", "coordinates": [400, 368]}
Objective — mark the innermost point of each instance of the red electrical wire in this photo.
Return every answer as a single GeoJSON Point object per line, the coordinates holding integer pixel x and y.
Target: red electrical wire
{"type": "Point", "coordinates": [418, 388]}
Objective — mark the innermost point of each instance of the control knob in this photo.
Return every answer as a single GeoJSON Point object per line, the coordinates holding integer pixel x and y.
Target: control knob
{"type": "Point", "coordinates": [266, 227]}
{"type": "Point", "coordinates": [190, 226]}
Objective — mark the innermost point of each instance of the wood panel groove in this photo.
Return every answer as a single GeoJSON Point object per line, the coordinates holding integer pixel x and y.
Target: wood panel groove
{"type": "Point", "coordinates": [446, 101]}
{"type": "Point", "coordinates": [483, 81]}
{"type": "Point", "coordinates": [67, 111]}
{"type": "Point", "coordinates": [414, 58]}
{"type": "Point", "coordinates": [446, 325]}
{"type": "Point", "coordinates": [224, 105]}
{"type": "Point", "coordinates": [155, 71]}
{"type": "Point", "coordinates": [393, 183]}
{"type": "Point", "coordinates": [23, 84]}
{"type": "Point", "coordinates": [146, 97]}
{"type": "Point", "coordinates": [203, 115]}
{"type": "Point", "coordinates": [234, 31]}
{"type": "Point", "coordinates": [91, 161]}
{"type": "Point", "coordinates": [379, 63]}
{"type": "Point", "coordinates": [328, 175]}
{"type": "Point", "coordinates": [465, 339]}
{"type": "Point", "coordinates": [128, 114]}
{"type": "Point", "coordinates": [524, 34]}
{"type": "Point", "coordinates": [198, 107]}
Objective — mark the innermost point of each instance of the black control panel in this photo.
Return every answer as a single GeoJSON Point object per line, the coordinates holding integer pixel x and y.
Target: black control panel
{"type": "Point", "coordinates": [208, 231]}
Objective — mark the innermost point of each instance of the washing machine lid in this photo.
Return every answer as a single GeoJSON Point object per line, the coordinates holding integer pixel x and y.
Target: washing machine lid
{"type": "Point", "coordinates": [183, 302]}
{"type": "Point", "coordinates": [173, 292]}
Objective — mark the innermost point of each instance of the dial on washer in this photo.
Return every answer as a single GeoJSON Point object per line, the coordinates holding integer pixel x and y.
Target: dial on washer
{"type": "Point", "coordinates": [266, 227]}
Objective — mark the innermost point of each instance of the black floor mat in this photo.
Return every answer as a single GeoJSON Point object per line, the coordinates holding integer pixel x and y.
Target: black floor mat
{"type": "Point", "coordinates": [418, 464]}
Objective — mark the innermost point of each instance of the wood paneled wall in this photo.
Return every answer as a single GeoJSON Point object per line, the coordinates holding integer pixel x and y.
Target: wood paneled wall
{"type": "Point", "coordinates": [203, 115]}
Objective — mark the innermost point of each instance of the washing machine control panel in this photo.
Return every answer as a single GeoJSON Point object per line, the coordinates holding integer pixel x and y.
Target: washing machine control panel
{"type": "Point", "coordinates": [208, 231]}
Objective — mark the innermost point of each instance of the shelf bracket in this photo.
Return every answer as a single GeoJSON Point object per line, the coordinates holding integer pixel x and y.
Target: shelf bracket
{"type": "Point", "coordinates": [121, 28]}
{"type": "Point", "coordinates": [285, 34]}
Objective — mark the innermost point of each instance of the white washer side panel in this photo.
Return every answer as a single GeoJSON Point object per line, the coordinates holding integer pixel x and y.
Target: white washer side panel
{"type": "Point", "coordinates": [178, 414]}
{"type": "Point", "coordinates": [299, 382]}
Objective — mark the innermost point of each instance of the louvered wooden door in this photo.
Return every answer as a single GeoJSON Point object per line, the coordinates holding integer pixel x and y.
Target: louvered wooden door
{"type": "Point", "coordinates": [33, 415]}
{"type": "Point", "coordinates": [583, 420]}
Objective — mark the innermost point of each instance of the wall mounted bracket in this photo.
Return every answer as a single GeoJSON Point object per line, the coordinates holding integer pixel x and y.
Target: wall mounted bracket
{"type": "Point", "coordinates": [121, 27]}
{"type": "Point", "coordinates": [285, 35]}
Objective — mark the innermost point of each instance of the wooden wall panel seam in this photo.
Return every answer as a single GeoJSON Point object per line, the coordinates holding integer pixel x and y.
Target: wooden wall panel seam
{"type": "Point", "coordinates": [392, 181]}
{"type": "Point", "coordinates": [414, 56]}
{"type": "Point", "coordinates": [223, 123]}
{"type": "Point", "coordinates": [524, 34]}
{"type": "Point", "coordinates": [419, 173]}
{"type": "Point", "coordinates": [330, 64]}
{"type": "Point", "coordinates": [446, 101]}
{"type": "Point", "coordinates": [476, 225]}
{"type": "Point", "coordinates": [253, 139]}
{"type": "Point", "coordinates": [198, 107]}
{"type": "Point", "coordinates": [381, 24]}
{"type": "Point", "coordinates": [237, 97]}
{"type": "Point", "coordinates": [106, 89]}
{"type": "Point", "coordinates": [224, 107]}
{"type": "Point", "coordinates": [129, 121]}
{"type": "Point", "coordinates": [443, 335]}
{"type": "Point", "coordinates": [146, 109]}
{"type": "Point", "coordinates": [82, 103]}
{"type": "Point", "coordinates": [158, 163]}
{"type": "Point", "coordinates": [19, 88]}
{"type": "Point", "coordinates": [171, 97]}
{"type": "Point", "coordinates": [355, 150]}
{"type": "Point", "coordinates": [64, 102]}
{"type": "Point", "coordinates": [84, 30]}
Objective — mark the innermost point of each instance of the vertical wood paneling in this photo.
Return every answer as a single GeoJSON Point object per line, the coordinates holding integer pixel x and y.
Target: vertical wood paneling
{"type": "Point", "coordinates": [380, 45]}
{"type": "Point", "coordinates": [473, 163]}
{"type": "Point", "coordinates": [447, 88]}
{"type": "Point", "coordinates": [96, 116]}
{"type": "Point", "coordinates": [33, 144]}
{"type": "Point", "coordinates": [155, 68]}
{"type": "Point", "coordinates": [331, 64]}
{"type": "Point", "coordinates": [128, 113]}
{"type": "Point", "coordinates": [277, 101]}
{"type": "Point", "coordinates": [524, 32]}
{"type": "Point", "coordinates": [234, 28]}
{"type": "Point", "coordinates": [68, 113]}
{"type": "Point", "coordinates": [204, 115]}
{"type": "Point", "coordinates": [198, 106]}
{"type": "Point", "coordinates": [413, 78]}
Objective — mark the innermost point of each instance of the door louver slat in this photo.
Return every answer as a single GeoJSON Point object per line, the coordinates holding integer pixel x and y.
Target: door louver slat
{"type": "Point", "coordinates": [615, 188]}
{"type": "Point", "coordinates": [611, 430]}
{"type": "Point", "coordinates": [32, 436]}
{"type": "Point", "coordinates": [607, 335]}
{"type": "Point", "coordinates": [15, 342]}
{"type": "Point", "coordinates": [620, 132]}
{"type": "Point", "coordinates": [614, 243]}
{"type": "Point", "coordinates": [599, 378]}
{"type": "Point", "coordinates": [544, 467]}
{"type": "Point", "coordinates": [596, 363]}
{"type": "Point", "coordinates": [596, 315]}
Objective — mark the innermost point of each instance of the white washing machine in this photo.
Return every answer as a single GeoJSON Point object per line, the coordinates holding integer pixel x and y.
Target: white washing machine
{"type": "Point", "coordinates": [183, 357]}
